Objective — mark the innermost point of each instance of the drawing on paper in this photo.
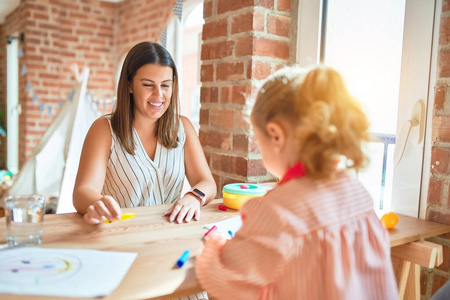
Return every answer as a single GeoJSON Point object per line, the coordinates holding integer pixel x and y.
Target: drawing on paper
{"type": "Point", "coordinates": [35, 269]}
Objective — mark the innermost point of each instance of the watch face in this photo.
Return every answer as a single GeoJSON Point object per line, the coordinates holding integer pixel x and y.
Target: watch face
{"type": "Point", "coordinates": [200, 193]}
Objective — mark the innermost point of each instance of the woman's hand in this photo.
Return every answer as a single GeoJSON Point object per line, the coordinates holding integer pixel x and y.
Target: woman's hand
{"type": "Point", "coordinates": [104, 208]}
{"type": "Point", "coordinates": [184, 209]}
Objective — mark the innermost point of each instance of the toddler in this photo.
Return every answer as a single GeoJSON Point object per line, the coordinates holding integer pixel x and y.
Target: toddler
{"type": "Point", "coordinates": [316, 235]}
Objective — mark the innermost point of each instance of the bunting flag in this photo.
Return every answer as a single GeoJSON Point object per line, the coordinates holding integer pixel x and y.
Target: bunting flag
{"type": "Point", "coordinates": [163, 38]}
{"type": "Point", "coordinates": [71, 93]}
{"type": "Point", "coordinates": [41, 107]}
{"type": "Point", "coordinates": [49, 111]}
{"type": "Point", "coordinates": [20, 52]}
{"type": "Point", "coordinates": [177, 11]}
{"type": "Point", "coordinates": [24, 70]}
{"type": "Point", "coordinates": [35, 97]}
{"type": "Point", "coordinates": [29, 86]}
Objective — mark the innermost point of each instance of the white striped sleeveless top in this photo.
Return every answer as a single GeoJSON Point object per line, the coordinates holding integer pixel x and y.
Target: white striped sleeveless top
{"type": "Point", "coordinates": [137, 180]}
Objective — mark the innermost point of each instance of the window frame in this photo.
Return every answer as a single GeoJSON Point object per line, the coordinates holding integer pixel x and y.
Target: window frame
{"type": "Point", "coordinates": [310, 37]}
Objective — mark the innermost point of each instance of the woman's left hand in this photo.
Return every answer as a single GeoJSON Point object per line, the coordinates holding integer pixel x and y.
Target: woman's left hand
{"type": "Point", "coordinates": [184, 209]}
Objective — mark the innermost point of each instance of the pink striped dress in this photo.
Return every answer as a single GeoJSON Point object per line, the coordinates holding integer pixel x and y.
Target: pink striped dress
{"type": "Point", "coordinates": [306, 239]}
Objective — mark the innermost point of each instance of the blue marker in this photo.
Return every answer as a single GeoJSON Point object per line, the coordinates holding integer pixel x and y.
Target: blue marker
{"type": "Point", "coordinates": [183, 258]}
{"type": "Point", "coordinates": [230, 233]}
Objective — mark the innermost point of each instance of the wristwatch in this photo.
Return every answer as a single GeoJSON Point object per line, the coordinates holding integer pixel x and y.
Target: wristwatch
{"type": "Point", "coordinates": [198, 194]}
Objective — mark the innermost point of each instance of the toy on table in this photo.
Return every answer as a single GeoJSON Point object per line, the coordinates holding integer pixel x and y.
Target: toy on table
{"type": "Point", "coordinates": [183, 259]}
{"type": "Point", "coordinates": [389, 220]}
{"type": "Point", "coordinates": [236, 194]}
{"type": "Point", "coordinates": [124, 217]}
{"type": "Point", "coordinates": [5, 175]}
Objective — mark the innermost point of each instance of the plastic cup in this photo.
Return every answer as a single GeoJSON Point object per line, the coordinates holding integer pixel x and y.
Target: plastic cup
{"type": "Point", "coordinates": [24, 218]}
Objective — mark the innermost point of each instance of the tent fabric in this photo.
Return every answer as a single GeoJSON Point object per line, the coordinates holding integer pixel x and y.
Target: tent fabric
{"type": "Point", "coordinates": [51, 170]}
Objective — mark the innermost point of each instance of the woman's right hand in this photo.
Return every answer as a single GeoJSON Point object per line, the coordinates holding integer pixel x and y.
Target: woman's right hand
{"type": "Point", "coordinates": [106, 208]}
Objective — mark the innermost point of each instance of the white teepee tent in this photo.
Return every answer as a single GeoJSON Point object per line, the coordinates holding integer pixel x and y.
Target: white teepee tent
{"type": "Point", "coordinates": [52, 168]}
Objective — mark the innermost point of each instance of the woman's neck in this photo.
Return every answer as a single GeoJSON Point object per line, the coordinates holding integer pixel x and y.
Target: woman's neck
{"type": "Point", "coordinates": [145, 125]}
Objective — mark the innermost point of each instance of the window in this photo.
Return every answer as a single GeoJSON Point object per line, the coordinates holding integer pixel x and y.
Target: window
{"type": "Point", "coordinates": [383, 50]}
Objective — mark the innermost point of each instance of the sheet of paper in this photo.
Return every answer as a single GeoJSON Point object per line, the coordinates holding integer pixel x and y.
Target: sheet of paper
{"type": "Point", "coordinates": [233, 224]}
{"type": "Point", "coordinates": [62, 272]}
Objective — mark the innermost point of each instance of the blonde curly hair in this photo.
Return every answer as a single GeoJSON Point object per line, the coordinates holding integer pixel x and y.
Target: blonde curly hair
{"type": "Point", "coordinates": [329, 122]}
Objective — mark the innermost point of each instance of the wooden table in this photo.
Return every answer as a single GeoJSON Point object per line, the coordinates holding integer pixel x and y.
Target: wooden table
{"type": "Point", "coordinates": [409, 252]}
{"type": "Point", "coordinates": [158, 243]}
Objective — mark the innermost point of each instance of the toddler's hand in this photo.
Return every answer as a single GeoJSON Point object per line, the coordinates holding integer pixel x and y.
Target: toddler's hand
{"type": "Point", "coordinates": [184, 209]}
{"type": "Point", "coordinates": [104, 208]}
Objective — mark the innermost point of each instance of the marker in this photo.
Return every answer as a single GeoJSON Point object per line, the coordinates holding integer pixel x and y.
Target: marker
{"type": "Point", "coordinates": [212, 229]}
{"type": "Point", "coordinates": [124, 217]}
{"type": "Point", "coordinates": [223, 207]}
{"type": "Point", "coordinates": [183, 258]}
{"type": "Point", "coordinates": [230, 233]}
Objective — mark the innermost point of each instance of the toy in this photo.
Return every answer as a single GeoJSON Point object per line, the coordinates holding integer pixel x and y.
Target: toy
{"type": "Point", "coordinates": [236, 194]}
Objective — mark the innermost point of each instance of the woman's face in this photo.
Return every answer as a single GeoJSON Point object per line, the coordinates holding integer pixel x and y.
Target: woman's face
{"type": "Point", "coordinates": [152, 90]}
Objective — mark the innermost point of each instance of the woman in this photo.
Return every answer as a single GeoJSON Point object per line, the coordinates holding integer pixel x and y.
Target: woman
{"type": "Point", "coordinates": [140, 154]}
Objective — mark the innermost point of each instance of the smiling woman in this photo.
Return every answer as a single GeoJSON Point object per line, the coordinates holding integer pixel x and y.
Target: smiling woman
{"type": "Point", "coordinates": [140, 154]}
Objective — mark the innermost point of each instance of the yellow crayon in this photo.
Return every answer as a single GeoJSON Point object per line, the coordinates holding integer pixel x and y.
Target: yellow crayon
{"type": "Point", "coordinates": [124, 217]}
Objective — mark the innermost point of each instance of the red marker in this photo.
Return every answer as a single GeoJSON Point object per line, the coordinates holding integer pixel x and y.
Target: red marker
{"type": "Point", "coordinates": [212, 229]}
{"type": "Point", "coordinates": [223, 207]}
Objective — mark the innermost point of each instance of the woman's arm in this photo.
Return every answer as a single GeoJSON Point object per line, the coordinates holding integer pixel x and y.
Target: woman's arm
{"type": "Point", "coordinates": [87, 197]}
{"type": "Point", "coordinates": [199, 176]}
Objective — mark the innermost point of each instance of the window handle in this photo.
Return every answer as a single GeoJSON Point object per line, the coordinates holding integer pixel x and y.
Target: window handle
{"type": "Point", "coordinates": [417, 120]}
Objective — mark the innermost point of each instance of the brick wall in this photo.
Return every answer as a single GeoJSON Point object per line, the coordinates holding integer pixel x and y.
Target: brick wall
{"type": "Point", "coordinates": [243, 42]}
{"type": "Point", "coordinates": [141, 20]}
{"type": "Point", "coordinates": [59, 33]}
{"type": "Point", "coordinates": [438, 209]}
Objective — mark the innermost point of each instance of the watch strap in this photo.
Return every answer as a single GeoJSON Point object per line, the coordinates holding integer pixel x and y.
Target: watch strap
{"type": "Point", "coordinates": [199, 195]}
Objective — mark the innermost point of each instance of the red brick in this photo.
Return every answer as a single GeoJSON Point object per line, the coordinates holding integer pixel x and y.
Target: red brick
{"type": "Point", "coordinates": [249, 21]}
{"type": "Point", "coordinates": [423, 282]}
{"type": "Point", "coordinates": [441, 129]}
{"type": "Point", "coordinates": [230, 71]}
{"type": "Point", "coordinates": [434, 191]}
{"type": "Point", "coordinates": [439, 96]}
{"type": "Point", "coordinates": [445, 5]}
{"type": "Point", "coordinates": [441, 156]}
{"type": "Point", "coordinates": [218, 181]}
{"type": "Point", "coordinates": [438, 281]}
{"type": "Point", "coordinates": [40, 16]}
{"type": "Point", "coordinates": [215, 29]}
{"type": "Point", "coordinates": [279, 25]}
{"type": "Point", "coordinates": [224, 6]}
{"type": "Point", "coordinates": [204, 117]}
{"type": "Point", "coordinates": [256, 168]}
{"type": "Point", "coordinates": [444, 31]}
{"type": "Point", "coordinates": [222, 117]}
{"type": "Point", "coordinates": [217, 50]}
{"type": "Point", "coordinates": [209, 95]}
{"type": "Point", "coordinates": [445, 266]}
{"type": "Point", "coordinates": [215, 139]}
{"type": "Point", "coordinates": [284, 5]}
{"type": "Point", "coordinates": [439, 217]}
{"type": "Point", "coordinates": [206, 73]}
{"type": "Point", "coordinates": [241, 142]}
{"type": "Point", "coordinates": [236, 94]}
{"type": "Point", "coordinates": [259, 69]}
{"type": "Point", "coordinates": [243, 120]}
{"type": "Point", "coordinates": [208, 9]}
{"type": "Point", "coordinates": [444, 64]}
{"type": "Point", "coordinates": [262, 46]}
